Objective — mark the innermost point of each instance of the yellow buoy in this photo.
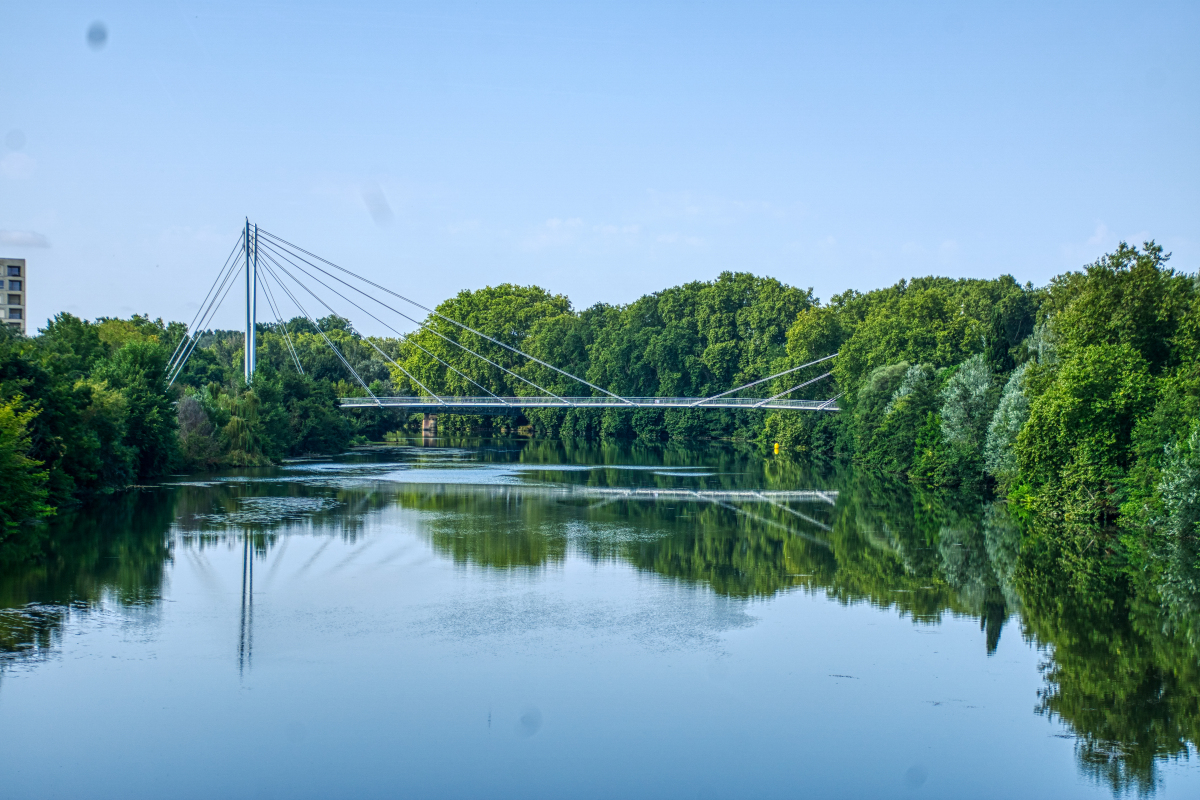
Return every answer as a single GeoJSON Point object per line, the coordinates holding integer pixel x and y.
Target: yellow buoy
{"type": "Point", "coordinates": [777, 448]}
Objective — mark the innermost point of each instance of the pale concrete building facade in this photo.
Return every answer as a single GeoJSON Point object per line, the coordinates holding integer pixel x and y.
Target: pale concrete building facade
{"type": "Point", "coordinates": [13, 292]}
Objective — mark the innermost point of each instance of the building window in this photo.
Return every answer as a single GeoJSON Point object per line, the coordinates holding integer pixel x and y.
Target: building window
{"type": "Point", "coordinates": [14, 313]}
{"type": "Point", "coordinates": [14, 271]}
{"type": "Point", "coordinates": [14, 299]}
{"type": "Point", "coordinates": [14, 286]}
{"type": "Point", "coordinates": [14, 324]}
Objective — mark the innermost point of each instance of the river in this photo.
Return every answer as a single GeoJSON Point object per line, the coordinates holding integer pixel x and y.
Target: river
{"type": "Point", "coordinates": [532, 619]}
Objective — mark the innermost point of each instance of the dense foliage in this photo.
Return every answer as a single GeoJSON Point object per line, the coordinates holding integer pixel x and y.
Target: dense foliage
{"type": "Point", "coordinates": [688, 341]}
{"type": "Point", "coordinates": [1077, 401]}
{"type": "Point", "coordinates": [85, 410]}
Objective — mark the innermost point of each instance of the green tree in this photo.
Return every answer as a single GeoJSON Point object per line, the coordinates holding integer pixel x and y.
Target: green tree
{"type": "Point", "coordinates": [966, 409]}
{"type": "Point", "coordinates": [24, 480]}
{"type": "Point", "coordinates": [138, 370]}
{"type": "Point", "coordinates": [1073, 454]}
{"type": "Point", "coordinates": [999, 453]}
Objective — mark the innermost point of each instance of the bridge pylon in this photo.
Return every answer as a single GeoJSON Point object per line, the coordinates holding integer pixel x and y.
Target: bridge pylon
{"type": "Point", "coordinates": [251, 342]}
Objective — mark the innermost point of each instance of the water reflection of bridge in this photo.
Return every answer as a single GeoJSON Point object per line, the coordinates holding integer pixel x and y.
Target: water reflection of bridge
{"type": "Point", "coordinates": [925, 564]}
{"type": "Point", "coordinates": [654, 493]}
{"type": "Point", "coordinates": [609, 494]}
{"type": "Point", "coordinates": [604, 494]}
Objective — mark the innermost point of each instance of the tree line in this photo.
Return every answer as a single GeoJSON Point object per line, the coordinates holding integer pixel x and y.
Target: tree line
{"type": "Point", "coordinates": [1076, 401]}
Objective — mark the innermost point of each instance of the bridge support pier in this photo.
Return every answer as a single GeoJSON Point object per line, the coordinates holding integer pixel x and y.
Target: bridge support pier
{"type": "Point", "coordinates": [429, 425]}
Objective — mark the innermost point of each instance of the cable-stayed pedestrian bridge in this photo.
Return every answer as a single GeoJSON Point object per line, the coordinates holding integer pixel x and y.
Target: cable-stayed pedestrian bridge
{"type": "Point", "coordinates": [279, 270]}
{"type": "Point", "coordinates": [501, 405]}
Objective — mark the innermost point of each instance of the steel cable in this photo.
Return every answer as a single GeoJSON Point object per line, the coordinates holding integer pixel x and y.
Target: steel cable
{"type": "Point", "coordinates": [442, 316]}
{"type": "Point", "coordinates": [231, 259]}
{"type": "Point", "coordinates": [213, 308]}
{"type": "Point", "coordinates": [404, 337]}
{"type": "Point", "coordinates": [422, 324]}
{"type": "Point", "coordinates": [368, 341]}
{"type": "Point", "coordinates": [317, 328]}
{"type": "Point", "coordinates": [279, 317]}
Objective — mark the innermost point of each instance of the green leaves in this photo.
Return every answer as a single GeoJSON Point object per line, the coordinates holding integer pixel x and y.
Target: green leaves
{"type": "Point", "coordinates": [967, 403]}
{"type": "Point", "coordinates": [137, 369]}
{"type": "Point", "coordinates": [1000, 457]}
{"type": "Point", "coordinates": [1083, 421]}
{"type": "Point", "coordinates": [1129, 297]}
{"type": "Point", "coordinates": [23, 479]}
{"type": "Point", "coordinates": [926, 321]}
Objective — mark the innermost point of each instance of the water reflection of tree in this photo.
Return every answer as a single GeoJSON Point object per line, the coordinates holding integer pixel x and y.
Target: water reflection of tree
{"type": "Point", "coordinates": [213, 513]}
{"type": "Point", "coordinates": [113, 551]}
{"type": "Point", "coordinates": [876, 545]}
{"type": "Point", "coordinates": [489, 526]}
{"type": "Point", "coordinates": [978, 558]}
{"type": "Point", "coordinates": [1124, 683]}
{"type": "Point", "coordinates": [1129, 691]}
{"type": "Point", "coordinates": [1128, 687]}
{"type": "Point", "coordinates": [626, 464]}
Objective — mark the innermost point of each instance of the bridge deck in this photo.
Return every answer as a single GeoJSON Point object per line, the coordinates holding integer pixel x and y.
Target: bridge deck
{"type": "Point", "coordinates": [513, 405]}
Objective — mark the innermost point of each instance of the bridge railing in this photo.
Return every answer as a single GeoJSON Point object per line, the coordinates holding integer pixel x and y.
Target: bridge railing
{"type": "Point", "coordinates": [448, 403]}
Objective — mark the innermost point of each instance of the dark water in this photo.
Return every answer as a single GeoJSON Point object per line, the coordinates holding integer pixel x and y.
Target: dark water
{"type": "Point", "coordinates": [525, 619]}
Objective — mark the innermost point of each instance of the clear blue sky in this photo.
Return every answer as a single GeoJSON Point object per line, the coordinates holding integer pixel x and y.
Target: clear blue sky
{"type": "Point", "coordinates": [601, 150]}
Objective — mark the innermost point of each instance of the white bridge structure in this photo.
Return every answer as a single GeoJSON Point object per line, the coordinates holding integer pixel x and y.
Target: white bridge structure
{"type": "Point", "coordinates": [282, 270]}
{"type": "Point", "coordinates": [512, 405]}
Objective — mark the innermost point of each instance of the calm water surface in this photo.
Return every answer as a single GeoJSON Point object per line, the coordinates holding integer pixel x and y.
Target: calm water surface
{"type": "Point", "coordinates": [530, 619]}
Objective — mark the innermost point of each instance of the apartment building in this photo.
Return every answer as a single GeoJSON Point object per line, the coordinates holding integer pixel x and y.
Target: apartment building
{"type": "Point", "coordinates": [13, 287]}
